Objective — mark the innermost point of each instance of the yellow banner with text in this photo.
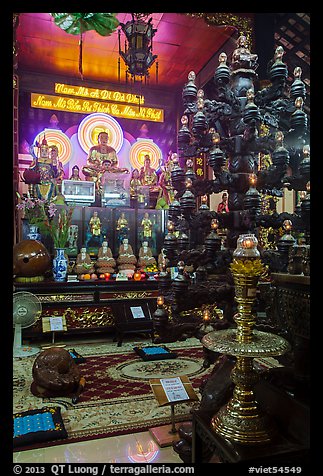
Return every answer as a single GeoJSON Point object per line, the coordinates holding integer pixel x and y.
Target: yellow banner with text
{"type": "Point", "coordinates": [88, 106]}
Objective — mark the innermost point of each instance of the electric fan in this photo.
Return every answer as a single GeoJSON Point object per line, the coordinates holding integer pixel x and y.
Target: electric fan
{"type": "Point", "coordinates": [26, 309]}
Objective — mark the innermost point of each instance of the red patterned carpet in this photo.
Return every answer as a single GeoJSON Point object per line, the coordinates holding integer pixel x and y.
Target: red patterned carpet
{"type": "Point", "coordinates": [117, 398]}
{"type": "Point", "coordinates": [106, 379]}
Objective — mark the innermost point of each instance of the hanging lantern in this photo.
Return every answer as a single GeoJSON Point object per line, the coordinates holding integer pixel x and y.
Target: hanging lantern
{"type": "Point", "coordinates": [137, 54]}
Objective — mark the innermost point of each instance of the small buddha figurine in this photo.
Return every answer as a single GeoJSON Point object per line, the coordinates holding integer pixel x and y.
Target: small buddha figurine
{"type": "Point", "coordinates": [57, 164]}
{"type": "Point", "coordinates": [95, 224]}
{"type": "Point", "coordinates": [241, 56]}
{"type": "Point", "coordinates": [166, 192]}
{"type": "Point", "coordinates": [122, 227]}
{"type": "Point", "coordinates": [126, 259]}
{"type": "Point", "coordinates": [83, 263]}
{"type": "Point", "coordinates": [162, 260]}
{"type": "Point", "coordinates": [145, 256]}
{"type": "Point", "coordinates": [147, 227]}
{"type": "Point", "coordinates": [147, 174]}
{"type": "Point", "coordinates": [105, 262]}
{"type": "Point", "coordinates": [135, 183]}
{"type": "Point", "coordinates": [75, 173]}
{"type": "Point", "coordinates": [94, 229]}
{"type": "Point", "coordinates": [97, 154]}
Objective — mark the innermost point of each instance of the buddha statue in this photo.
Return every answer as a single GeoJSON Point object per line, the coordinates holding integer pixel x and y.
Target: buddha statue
{"type": "Point", "coordinates": [83, 263]}
{"type": "Point", "coordinates": [105, 262]}
{"type": "Point", "coordinates": [97, 154]}
{"type": "Point", "coordinates": [147, 227]}
{"type": "Point", "coordinates": [126, 259]}
{"type": "Point", "coordinates": [147, 175]}
{"type": "Point", "coordinates": [122, 228]}
{"type": "Point", "coordinates": [75, 173]}
{"type": "Point", "coordinates": [166, 192]}
{"type": "Point", "coordinates": [242, 58]}
{"type": "Point", "coordinates": [93, 234]}
{"type": "Point", "coordinates": [162, 260]}
{"type": "Point", "coordinates": [41, 176]}
{"type": "Point", "coordinates": [57, 165]}
{"type": "Point", "coordinates": [146, 257]}
{"type": "Point", "coordinates": [134, 185]}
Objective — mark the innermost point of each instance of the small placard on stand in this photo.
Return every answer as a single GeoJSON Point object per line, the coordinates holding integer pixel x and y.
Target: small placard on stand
{"type": "Point", "coordinates": [169, 391]}
{"type": "Point", "coordinates": [54, 324]}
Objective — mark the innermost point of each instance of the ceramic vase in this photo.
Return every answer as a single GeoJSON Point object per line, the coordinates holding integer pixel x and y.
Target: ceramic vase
{"type": "Point", "coordinates": [34, 233]}
{"type": "Point", "coordinates": [60, 263]}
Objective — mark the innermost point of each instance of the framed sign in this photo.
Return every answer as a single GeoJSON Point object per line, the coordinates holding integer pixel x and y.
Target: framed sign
{"type": "Point", "coordinates": [54, 324]}
{"type": "Point", "coordinates": [137, 312]}
{"type": "Point", "coordinates": [173, 390]}
{"type": "Point", "coordinates": [133, 316]}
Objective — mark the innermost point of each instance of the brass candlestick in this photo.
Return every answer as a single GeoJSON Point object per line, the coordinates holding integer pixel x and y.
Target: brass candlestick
{"type": "Point", "coordinates": [241, 419]}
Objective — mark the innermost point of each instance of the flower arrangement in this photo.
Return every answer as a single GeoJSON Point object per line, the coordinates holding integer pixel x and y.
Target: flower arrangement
{"type": "Point", "coordinates": [49, 219]}
{"type": "Point", "coordinates": [36, 210]}
{"type": "Point", "coordinates": [58, 227]}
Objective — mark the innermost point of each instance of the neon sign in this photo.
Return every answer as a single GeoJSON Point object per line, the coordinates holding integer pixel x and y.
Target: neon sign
{"type": "Point", "coordinates": [88, 106]}
{"type": "Point", "coordinates": [101, 94]}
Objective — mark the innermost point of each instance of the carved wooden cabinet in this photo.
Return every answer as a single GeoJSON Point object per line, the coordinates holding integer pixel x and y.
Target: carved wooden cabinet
{"type": "Point", "coordinates": [96, 306]}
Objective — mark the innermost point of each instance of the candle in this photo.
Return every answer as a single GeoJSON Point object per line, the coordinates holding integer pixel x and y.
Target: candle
{"type": "Point", "coordinates": [253, 180]}
{"type": "Point", "coordinates": [206, 315]}
{"type": "Point", "coordinates": [247, 243]}
{"type": "Point", "coordinates": [214, 224]}
{"type": "Point", "coordinates": [160, 300]}
{"type": "Point", "coordinates": [170, 226]}
{"type": "Point", "coordinates": [204, 198]}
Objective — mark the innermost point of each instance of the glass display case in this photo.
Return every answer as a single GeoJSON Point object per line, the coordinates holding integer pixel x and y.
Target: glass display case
{"type": "Point", "coordinates": [115, 190]}
{"type": "Point", "coordinates": [79, 192]}
{"type": "Point", "coordinates": [75, 238]}
{"type": "Point", "coordinates": [150, 223]}
{"type": "Point", "coordinates": [124, 226]}
{"type": "Point", "coordinates": [97, 227]}
{"type": "Point", "coordinates": [93, 225]}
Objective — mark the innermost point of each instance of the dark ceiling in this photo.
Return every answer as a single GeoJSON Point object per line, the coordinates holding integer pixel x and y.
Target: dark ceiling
{"type": "Point", "coordinates": [182, 43]}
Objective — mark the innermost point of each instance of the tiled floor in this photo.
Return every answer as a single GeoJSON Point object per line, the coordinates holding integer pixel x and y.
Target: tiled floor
{"type": "Point", "coordinates": [134, 448]}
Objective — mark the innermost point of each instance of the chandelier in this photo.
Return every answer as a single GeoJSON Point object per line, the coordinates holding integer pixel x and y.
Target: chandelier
{"type": "Point", "coordinates": [137, 54]}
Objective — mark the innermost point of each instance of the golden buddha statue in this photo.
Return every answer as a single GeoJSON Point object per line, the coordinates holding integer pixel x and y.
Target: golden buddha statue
{"type": "Point", "coordinates": [75, 173]}
{"type": "Point", "coordinates": [105, 262]}
{"type": "Point", "coordinates": [126, 259]}
{"type": "Point", "coordinates": [135, 183]}
{"type": "Point", "coordinates": [83, 263]}
{"type": "Point", "coordinates": [56, 164]}
{"type": "Point", "coordinates": [147, 226]}
{"type": "Point", "coordinates": [146, 257]}
{"type": "Point", "coordinates": [97, 154]}
{"type": "Point", "coordinates": [166, 192]}
{"type": "Point", "coordinates": [95, 224]}
{"type": "Point", "coordinates": [122, 228]}
{"type": "Point", "coordinates": [147, 174]}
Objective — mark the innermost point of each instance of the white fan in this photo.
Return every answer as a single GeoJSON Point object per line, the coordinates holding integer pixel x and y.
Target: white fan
{"type": "Point", "coordinates": [26, 309]}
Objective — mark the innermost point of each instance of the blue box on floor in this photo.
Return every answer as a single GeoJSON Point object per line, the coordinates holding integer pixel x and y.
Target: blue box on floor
{"type": "Point", "coordinates": [159, 352]}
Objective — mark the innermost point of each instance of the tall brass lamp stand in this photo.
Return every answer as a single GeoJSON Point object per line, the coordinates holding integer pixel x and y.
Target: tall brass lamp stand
{"type": "Point", "coordinates": [241, 419]}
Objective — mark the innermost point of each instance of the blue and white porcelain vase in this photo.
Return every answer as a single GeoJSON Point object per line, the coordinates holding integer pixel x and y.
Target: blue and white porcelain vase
{"type": "Point", "coordinates": [34, 233]}
{"type": "Point", "coordinates": [60, 263]}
